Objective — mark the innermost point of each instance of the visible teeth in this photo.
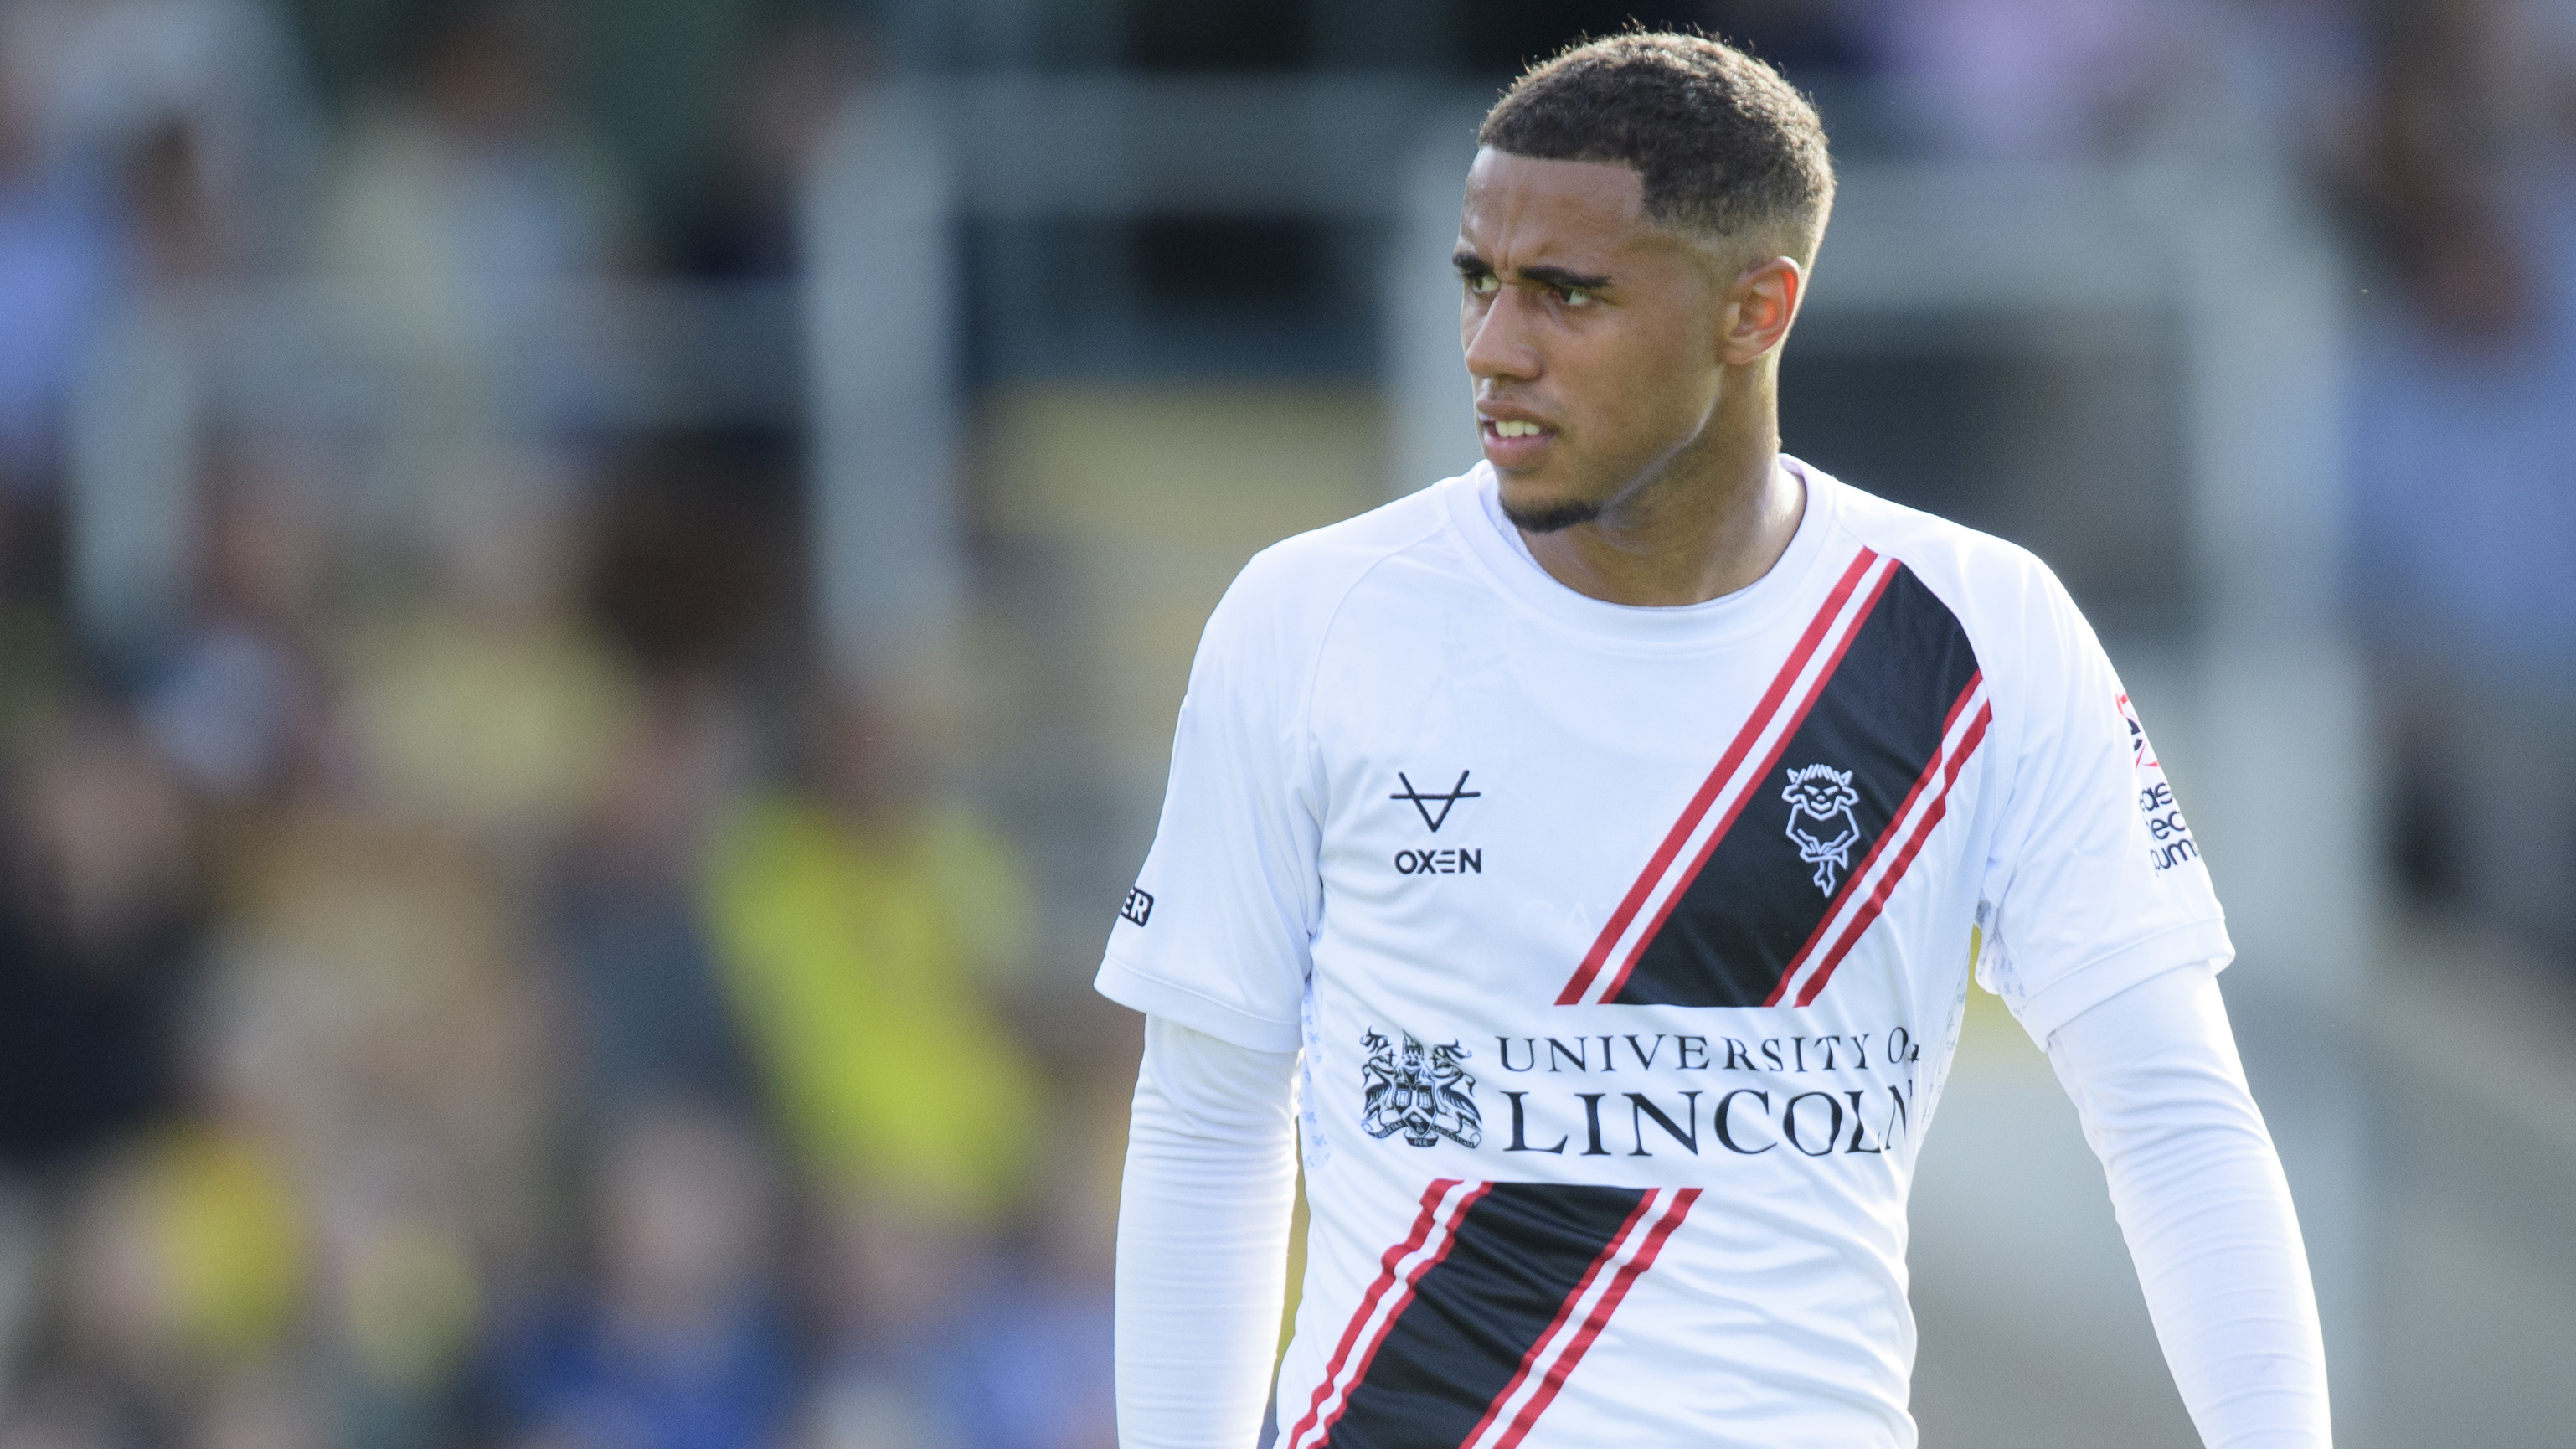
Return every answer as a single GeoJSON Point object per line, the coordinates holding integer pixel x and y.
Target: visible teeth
{"type": "Point", "coordinates": [1511, 428]}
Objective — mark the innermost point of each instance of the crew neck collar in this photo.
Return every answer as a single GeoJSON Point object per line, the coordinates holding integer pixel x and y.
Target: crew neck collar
{"type": "Point", "coordinates": [1475, 508]}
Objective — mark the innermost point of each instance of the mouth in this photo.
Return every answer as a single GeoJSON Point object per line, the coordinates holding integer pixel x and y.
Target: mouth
{"type": "Point", "coordinates": [1513, 442]}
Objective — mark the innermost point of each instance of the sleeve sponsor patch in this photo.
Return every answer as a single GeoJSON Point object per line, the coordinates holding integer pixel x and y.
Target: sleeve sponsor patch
{"type": "Point", "coordinates": [2169, 841]}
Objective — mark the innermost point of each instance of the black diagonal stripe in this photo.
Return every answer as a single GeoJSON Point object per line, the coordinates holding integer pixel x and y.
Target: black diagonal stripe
{"type": "Point", "coordinates": [1520, 1251]}
{"type": "Point", "coordinates": [1755, 902]}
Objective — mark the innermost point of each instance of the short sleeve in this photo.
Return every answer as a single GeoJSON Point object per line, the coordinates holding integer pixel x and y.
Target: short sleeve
{"type": "Point", "coordinates": [1216, 931]}
{"type": "Point", "coordinates": [2095, 882]}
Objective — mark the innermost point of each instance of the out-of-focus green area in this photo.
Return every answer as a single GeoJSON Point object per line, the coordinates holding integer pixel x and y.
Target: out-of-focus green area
{"type": "Point", "coordinates": [482, 963]}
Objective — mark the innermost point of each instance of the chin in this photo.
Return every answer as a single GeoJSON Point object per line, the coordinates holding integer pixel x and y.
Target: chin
{"type": "Point", "coordinates": [1543, 513]}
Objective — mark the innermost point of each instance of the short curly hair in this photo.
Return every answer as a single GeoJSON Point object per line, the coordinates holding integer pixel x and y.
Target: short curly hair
{"type": "Point", "coordinates": [1723, 144]}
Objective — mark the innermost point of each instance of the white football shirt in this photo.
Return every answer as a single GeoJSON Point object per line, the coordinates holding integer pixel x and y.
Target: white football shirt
{"type": "Point", "coordinates": [1626, 949]}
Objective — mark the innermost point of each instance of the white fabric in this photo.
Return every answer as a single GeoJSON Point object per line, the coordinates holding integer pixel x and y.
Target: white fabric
{"type": "Point", "coordinates": [2154, 1075]}
{"type": "Point", "coordinates": [1202, 1240]}
{"type": "Point", "coordinates": [1584, 951]}
{"type": "Point", "coordinates": [2200, 1196]}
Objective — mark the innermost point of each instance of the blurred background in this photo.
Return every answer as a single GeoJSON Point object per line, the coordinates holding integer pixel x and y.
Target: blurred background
{"type": "Point", "coordinates": [592, 598]}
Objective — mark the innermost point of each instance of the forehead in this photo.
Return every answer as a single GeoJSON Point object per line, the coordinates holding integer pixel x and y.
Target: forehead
{"type": "Point", "coordinates": [1535, 207]}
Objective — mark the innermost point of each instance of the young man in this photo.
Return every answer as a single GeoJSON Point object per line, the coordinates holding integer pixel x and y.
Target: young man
{"type": "Point", "coordinates": [1600, 844]}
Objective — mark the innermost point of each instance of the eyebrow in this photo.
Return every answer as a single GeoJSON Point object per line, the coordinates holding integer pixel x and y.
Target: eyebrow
{"type": "Point", "coordinates": [1470, 264]}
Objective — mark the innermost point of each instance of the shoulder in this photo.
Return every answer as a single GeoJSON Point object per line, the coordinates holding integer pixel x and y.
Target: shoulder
{"type": "Point", "coordinates": [1284, 601]}
{"type": "Point", "coordinates": [2001, 592]}
{"type": "Point", "coordinates": [1967, 567]}
{"type": "Point", "coordinates": [2030, 641]}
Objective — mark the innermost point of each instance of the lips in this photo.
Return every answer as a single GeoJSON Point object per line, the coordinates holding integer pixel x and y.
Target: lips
{"type": "Point", "coordinates": [1513, 441]}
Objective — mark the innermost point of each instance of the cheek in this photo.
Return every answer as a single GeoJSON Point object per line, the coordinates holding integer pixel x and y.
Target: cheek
{"type": "Point", "coordinates": [1649, 376]}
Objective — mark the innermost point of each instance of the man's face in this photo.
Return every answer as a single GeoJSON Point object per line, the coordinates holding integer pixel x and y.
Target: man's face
{"type": "Point", "coordinates": [1592, 334]}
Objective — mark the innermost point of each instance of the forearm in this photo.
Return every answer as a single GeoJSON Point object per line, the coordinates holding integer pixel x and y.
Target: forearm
{"type": "Point", "coordinates": [1202, 1240]}
{"type": "Point", "coordinates": [2207, 1214]}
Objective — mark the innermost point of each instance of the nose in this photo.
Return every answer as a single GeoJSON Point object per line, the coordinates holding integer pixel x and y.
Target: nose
{"type": "Point", "coordinates": [1496, 337]}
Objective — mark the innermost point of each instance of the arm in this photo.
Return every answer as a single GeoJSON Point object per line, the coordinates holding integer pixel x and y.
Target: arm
{"type": "Point", "coordinates": [1202, 1240]}
{"type": "Point", "coordinates": [2155, 1077]}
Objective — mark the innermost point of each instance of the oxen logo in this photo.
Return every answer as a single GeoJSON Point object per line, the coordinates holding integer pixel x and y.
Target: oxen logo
{"type": "Point", "coordinates": [1446, 800]}
{"type": "Point", "coordinates": [1423, 1093]}
{"type": "Point", "coordinates": [1820, 819]}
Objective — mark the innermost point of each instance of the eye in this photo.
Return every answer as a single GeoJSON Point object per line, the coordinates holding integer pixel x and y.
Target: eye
{"type": "Point", "coordinates": [1483, 284]}
{"type": "Point", "coordinates": [1574, 296]}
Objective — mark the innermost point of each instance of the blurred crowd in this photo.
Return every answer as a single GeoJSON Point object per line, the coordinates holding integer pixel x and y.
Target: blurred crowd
{"type": "Point", "coordinates": [471, 973]}
{"type": "Point", "coordinates": [465, 978]}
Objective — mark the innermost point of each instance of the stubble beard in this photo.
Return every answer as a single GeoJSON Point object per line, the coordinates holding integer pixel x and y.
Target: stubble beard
{"type": "Point", "coordinates": [1558, 515]}
{"type": "Point", "coordinates": [1552, 517]}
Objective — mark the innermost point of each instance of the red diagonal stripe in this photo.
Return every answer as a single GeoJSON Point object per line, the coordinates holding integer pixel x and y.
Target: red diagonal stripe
{"type": "Point", "coordinates": [1779, 746]}
{"type": "Point", "coordinates": [1388, 1278]}
{"type": "Point", "coordinates": [1716, 781]}
{"type": "Point", "coordinates": [1564, 1311]}
{"type": "Point", "coordinates": [1878, 847]}
{"type": "Point", "coordinates": [1599, 1317]}
{"type": "Point", "coordinates": [1422, 1224]}
{"type": "Point", "coordinates": [1914, 842]}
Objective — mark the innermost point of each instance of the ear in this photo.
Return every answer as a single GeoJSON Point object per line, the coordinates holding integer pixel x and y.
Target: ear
{"type": "Point", "coordinates": [1759, 308]}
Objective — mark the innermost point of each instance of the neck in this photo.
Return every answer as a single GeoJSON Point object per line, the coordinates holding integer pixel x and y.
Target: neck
{"type": "Point", "coordinates": [1712, 520]}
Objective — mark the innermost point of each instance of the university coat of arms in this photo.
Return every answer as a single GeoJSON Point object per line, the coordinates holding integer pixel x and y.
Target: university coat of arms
{"type": "Point", "coordinates": [1421, 1092]}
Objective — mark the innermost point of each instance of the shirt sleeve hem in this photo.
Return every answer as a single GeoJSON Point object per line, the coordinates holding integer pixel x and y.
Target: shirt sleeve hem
{"type": "Point", "coordinates": [1134, 989]}
{"type": "Point", "coordinates": [2043, 1011]}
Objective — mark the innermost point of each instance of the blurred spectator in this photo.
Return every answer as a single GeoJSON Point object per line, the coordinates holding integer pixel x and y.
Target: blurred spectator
{"type": "Point", "coordinates": [788, 97]}
{"type": "Point", "coordinates": [936, 1335]}
{"type": "Point", "coordinates": [95, 934]}
{"type": "Point", "coordinates": [857, 931]}
{"type": "Point", "coordinates": [475, 188]}
{"type": "Point", "coordinates": [135, 415]}
{"type": "Point", "coordinates": [369, 985]}
{"type": "Point", "coordinates": [1041, 1362]}
{"type": "Point", "coordinates": [677, 1344]}
{"type": "Point", "coordinates": [58, 261]}
{"type": "Point", "coordinates": [468, 212]}
{"type": "Point", "coordinates": [191, 1257]}
{"type": "Point", "coordinates": [242, 695]}
{"type": "Point", "coordinates": [481, 710]}
{"type": "Point", "coordinates": [2455, 161]}
{"type": "Point", "coordinates": [654, 1024]}
{"type": "Point", "coordinates": [695, 570]}
{"type": "Point", "coordinates": [400, 1294]}
{"type": "Point", "coordinates": [905, 1284]}
{"type": "Point", "coordinates": [2428, 164]}
{"type": "Point", "coordinates": [105, 77]}
{"type": "Point", "coordinates": [177, 1286]}
{"type": "Point", "coordinates": [97, 901]}
{"type": "Point", "coordinates": [2023, 79]}
{"type": "Point", "coordinates": [174, 140]}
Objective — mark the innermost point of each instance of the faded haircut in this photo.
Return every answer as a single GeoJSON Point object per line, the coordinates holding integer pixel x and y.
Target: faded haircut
{"type": "Point", "coordinates": [1724, 145]}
